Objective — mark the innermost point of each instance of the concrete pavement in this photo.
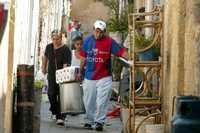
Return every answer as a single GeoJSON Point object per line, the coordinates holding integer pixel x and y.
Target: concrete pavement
{"type": "Point", "coordinates": [74, 124]}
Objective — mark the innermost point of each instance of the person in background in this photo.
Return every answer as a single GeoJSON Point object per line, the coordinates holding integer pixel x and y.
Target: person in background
{"type": "Point", "coordinates": [75, 31]}
{"type": "Point", "coordinates": [56, 56]}
{"type": "Point", "coordinates": [97, 85]}
{"type": "Point", "coordinates": [76, 47]}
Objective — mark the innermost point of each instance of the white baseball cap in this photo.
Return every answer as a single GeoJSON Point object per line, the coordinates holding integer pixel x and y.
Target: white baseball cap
{"type": "Point", "coordinates": [100, 24]}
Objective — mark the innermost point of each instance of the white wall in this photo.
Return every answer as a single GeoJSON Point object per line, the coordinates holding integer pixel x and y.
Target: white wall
{"type": "Point", "coordinates": [27, 15]}
{"type": "Point", "coordinates": [26, 30]}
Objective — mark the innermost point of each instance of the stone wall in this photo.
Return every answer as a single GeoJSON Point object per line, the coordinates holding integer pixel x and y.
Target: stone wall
{"type": "Point", "coordinates": [181, 51]}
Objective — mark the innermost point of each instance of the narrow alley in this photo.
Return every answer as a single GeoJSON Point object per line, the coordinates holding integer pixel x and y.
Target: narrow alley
{"type": "Point", "coordinates": [110, 66]}
{"type": "Point", "coordinates": [74, 124]}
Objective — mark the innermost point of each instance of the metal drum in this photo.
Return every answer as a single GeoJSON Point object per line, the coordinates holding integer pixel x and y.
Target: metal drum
{"type": "Point", "coordinates": [25, 99]}
{"type": "Point", "coordinates": [71, 98]}
{"type": "Point", "coordinates": [187, 119]}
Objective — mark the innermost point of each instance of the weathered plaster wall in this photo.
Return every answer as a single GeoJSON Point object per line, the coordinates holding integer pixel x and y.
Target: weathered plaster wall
{"type": "Point", "coordinates": [181, 43]}
{"type": "Point", "coordinates": [139, 3]}
{"type": "Point", "coordinates": [87, 11]}
{"type": "Point", "coordinates": [192, 34]}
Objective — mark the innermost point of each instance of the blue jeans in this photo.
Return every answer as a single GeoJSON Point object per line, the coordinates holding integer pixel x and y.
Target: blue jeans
{"type": "Point", "coordinates": [96, 95]}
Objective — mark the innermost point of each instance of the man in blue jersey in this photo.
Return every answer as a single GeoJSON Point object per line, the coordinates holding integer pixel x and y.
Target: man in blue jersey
{"type": "Point", "coordinates": [96, 58]}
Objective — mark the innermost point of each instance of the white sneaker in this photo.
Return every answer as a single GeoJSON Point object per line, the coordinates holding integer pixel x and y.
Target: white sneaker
{"type": "Point", "coordinates": [66, 119]}
{"type": "Point", "coordinates": [60, 122]}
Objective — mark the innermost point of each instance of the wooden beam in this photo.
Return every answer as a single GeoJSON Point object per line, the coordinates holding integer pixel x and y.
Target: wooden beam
{"type": "Point", "coordinates": [147, 63]}
{"type": "Point", "coordinates": [9, 92]}
{"type": "Point", "coordinates": [145, 14]}
{"type": "Point", "coordinates": [148, 22]}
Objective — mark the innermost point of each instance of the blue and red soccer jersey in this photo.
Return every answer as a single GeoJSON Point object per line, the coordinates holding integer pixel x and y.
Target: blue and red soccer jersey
{"type": "Point", "coordinates": [98, 56]}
